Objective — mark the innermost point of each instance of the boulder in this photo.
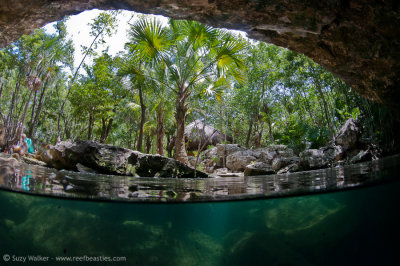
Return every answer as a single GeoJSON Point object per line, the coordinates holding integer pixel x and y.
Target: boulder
{"type": "Point", "coordinates": [258, 168]}
{"type": "Point", "coordinates": [285, 153]}
{"type": "Point", "coordinates": [265, 155]}
{"type": "Point", "coordinates": [281, 162]}
{"type": "Point", "coordinates": [291, 168]}
{"type": "Point", "coordinates": [227, 149]}
{"type": "Point", "coordinates": [192, 161]}
{"type": "Point", "coordinates": [348, 135]}
{"type": "Point", "coordinates": [32, 161]}
{"type": "Point", "coordinates": [109, 159]}
{"type": "Point", "coordinates": [314, 159]}
{"type": "Point", "coordinates": [221, 171]}
{"type": "Point", "coordinates": [239, 160]}
{"type": "Point", "coordinates": [279, 147]}
{"type": "Point", "coordinates": [362, 156]}
{"type": "Point", "coordinates": [209, 154]}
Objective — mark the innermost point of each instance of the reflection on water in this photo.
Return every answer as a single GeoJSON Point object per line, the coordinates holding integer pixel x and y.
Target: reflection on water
{"type": "Point", "coordinates": [354, 227]}
{"type": "Point", "coordinates": [46, 181]}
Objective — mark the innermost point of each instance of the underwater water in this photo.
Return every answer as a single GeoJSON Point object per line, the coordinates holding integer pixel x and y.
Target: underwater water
{"type": "Point", "coordinates": [350, 227]}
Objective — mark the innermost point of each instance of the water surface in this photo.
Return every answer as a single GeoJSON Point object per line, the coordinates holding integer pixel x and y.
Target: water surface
{"type": "Point", "coordinates": [323, 218]}
{"type": "Point", "coordinates": [50, 182]}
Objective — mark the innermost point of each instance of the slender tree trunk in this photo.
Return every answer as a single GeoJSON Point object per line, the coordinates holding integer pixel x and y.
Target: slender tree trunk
{"type": "Point", "coordinates": [249, 133]}
{"type": "Point", "coordinates": [91, 121]}
{"type": "Point", "coordinates": [33, 108]}
{"type": "Point", "coordinates": [9, 127]}
{"type": "Point", "coordinates": [130, 133]}
{"type": "Point", "coordinates": [170, 145]}
{"type": "Point", "coordinates": [180, 116]}
{"type": "Point", "coordinates": [271, 135]}
{"type": "Point", "coordinates": [2, 86]}
{"type": "Point", "coordinates": [110, 122]}
{"type": "Point", "coordinates": [326, 110]}
{"type": "Point", "coordinates": [24, 116]}
{"type": "Point", "coordinates": [38, 111]}
{"type": "Point", "coordinates": [74, 77]}
{"type": "Point", "coordinates": [148, 143]}
{"type": "Point", "coordinates": [221, 122]}
{"type": "Point", "coordinates": [142, 119]}
{"type": "Point", "coordinates": [160, 129]}
{"type": "Point", "coordinates": [105, 129]}
{"type": "Point", "coordinates": [307, 106]}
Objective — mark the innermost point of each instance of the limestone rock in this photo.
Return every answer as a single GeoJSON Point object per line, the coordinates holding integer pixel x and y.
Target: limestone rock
{"type": "Point", "coordinates": [348, 135]}
{"type": "Point", "coordinates": [314, 159]}
{"type": "Point", "coordinates": [239, 160]}
{"type": "Point", "coordinates": [265, 155]}
{"type": "Point", "coordinates": [228, 149]}
{"type": "Point", "coordinates": [210, 153]}
{"type": "Point", "coordinates": [32, 161]}
{"type": "Point", "coordinates": [291, 168]}
{"type": "Point", "coordinates": [258, 168]}
{"type": "Point", "coordinates": [362, 156]}
{"type": "Point", "coordinates": [109, 159]}
{"type": "Point", "coordinates": [281, 162]}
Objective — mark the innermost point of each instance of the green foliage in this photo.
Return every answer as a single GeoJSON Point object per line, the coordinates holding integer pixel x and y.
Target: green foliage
{"type": "Point", "coordinates": [256, 93]}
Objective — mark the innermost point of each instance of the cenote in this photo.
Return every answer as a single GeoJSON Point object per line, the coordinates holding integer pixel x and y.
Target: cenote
{"type": "Point", "coordinates": [340, 216]}
{"type": "Point", "coordinates": [193, 145]}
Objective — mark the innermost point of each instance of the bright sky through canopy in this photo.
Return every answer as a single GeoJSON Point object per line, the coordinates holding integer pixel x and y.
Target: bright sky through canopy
{"type": "Point", "coordinates": [78, 30]}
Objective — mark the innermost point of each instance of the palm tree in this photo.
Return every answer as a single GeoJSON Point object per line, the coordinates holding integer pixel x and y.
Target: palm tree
{"type": "Point", "coordinates": [191, 54]}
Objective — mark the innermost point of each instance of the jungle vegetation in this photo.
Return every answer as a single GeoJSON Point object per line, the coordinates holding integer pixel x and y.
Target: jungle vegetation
{"type": "Point", "coordinates": [169, 75]}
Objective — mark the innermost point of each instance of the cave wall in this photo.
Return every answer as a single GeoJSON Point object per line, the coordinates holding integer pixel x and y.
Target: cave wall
{"type": "Point", "coordinates": [358, 40]}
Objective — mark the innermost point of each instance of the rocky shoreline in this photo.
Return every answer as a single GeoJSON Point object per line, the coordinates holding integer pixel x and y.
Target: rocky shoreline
{"type": "Point", "coordinates": [90, 156]}
{"type": "Point", "coordinates": [346, 148]}
{"type": "Point", "coordinates": [94, 157]}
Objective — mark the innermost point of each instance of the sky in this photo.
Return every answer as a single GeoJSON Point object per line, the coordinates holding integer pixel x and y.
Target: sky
{"type": "Point", "coordinates": [78, 30]}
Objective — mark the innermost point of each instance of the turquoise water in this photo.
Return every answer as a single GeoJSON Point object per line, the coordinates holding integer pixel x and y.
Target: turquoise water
{"type": "Point", "coordinates": [354, 227]}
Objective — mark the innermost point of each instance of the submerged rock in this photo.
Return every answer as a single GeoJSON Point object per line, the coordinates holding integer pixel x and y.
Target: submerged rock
{"type": "Point", "coordinates": [109, 159]}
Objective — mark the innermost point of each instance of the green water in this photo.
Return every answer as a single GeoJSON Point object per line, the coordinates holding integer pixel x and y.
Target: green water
{"type": "Point", "coordinates": [355, 227]}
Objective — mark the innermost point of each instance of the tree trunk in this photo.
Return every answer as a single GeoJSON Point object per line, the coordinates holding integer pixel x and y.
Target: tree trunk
{"type": "Point", "coordinates": [105, 129]}
{"type": "Point", "coordinates": [221, 121]}
{"type": "Point", "coordinates": [148, 144]}
{"type": "Point", "coordinates": [1, 88]}
{"type": "Point", "coordinates": [38, 111]}
{"type": "Point", "coordinates": [249, 133]}
{"type": "Point", "coordinates": [142, 120]}
{"type": "Point", "coordinates": [180, 116]}
{"type": "Point", "coordinates": [74, 77]}
{"type": "Point", "coordinates": [170, 145]}
{"type": "Point", "coordinates": [33, 110]}
{"type": "Point", "coordinates": [160, 129]}
{"type": "Point", "coordinates": [326, 110]}
{"type": "Point", "coordinates": [24, 116]}
{"type": "Point", "coordinates": [9, 128]}
{"type": "Point", "coordinates": [130, 133]}
{"type": "Point", "coordinates": [271, 135]}
{"type": "Point", "coordinates": [90, 129]}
